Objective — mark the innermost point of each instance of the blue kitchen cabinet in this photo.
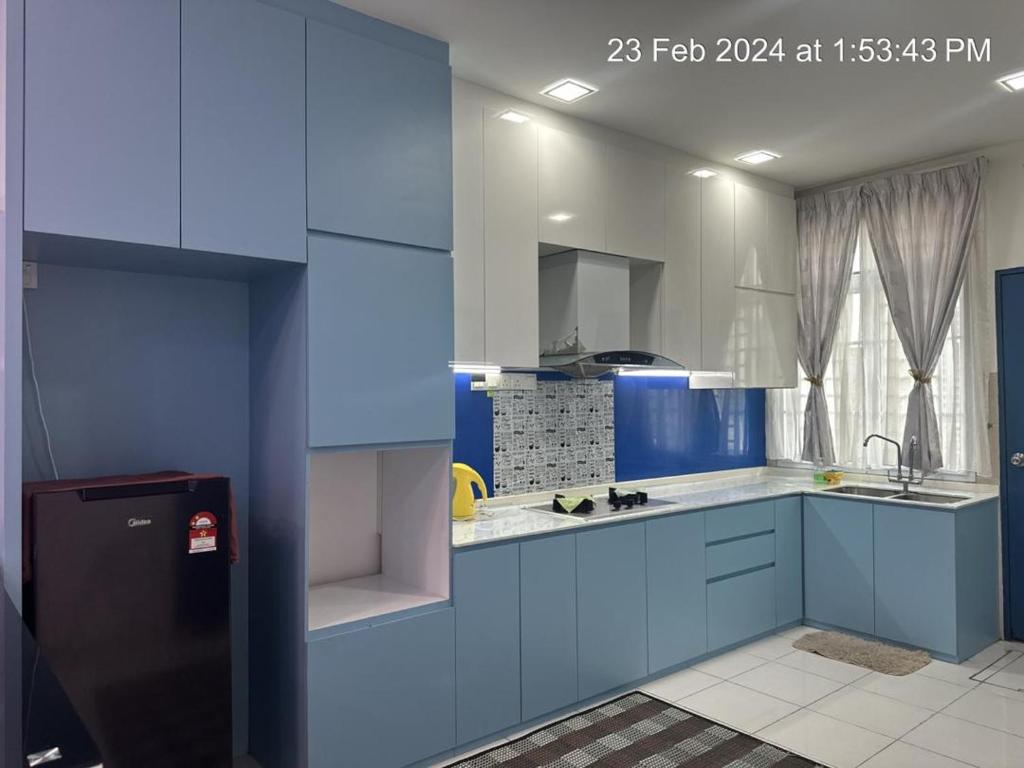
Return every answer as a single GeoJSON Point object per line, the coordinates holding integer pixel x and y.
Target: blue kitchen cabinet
{"type": "Point", "coordinates": [740, 607]}
{"type": "Point", "coordinates": [611, 579]}
{"type": "Point", "coordinates": [379, 140]}
{"type": "Point", "coordinates": [243, 122]}
{"type": "Point", "coordinates": [676, 595]}
{"type": "Point", "coordinates": [487, 669]}
{"type": "Point", "coordinates": [383, 696]}
{"type": "Point", "coordinates": [839, 582]}
{"type": "Point", "coordinates": [915, 577]}
{"type": "Point", "coordinates": [102, 119]}
{"type": "Point", "coordinates": [737, 521]}
{"type": "Point", "coordinates": [547, 577]}
{"type": "Point", "coordinates": [789, 561]}
{"type": "Point", "coordinates": [380, 342]}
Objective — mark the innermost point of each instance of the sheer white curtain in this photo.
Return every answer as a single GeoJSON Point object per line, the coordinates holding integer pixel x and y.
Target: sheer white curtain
{"type": "Point", "coordinates": [867, 386]}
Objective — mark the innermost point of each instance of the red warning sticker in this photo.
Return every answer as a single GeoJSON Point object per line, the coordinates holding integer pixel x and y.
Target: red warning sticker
{"type": "Point", "coordinates": [202, 533]}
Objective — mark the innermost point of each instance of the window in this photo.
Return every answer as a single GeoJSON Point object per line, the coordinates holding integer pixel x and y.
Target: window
{"type": "Point", "coordinates": [867, 384]}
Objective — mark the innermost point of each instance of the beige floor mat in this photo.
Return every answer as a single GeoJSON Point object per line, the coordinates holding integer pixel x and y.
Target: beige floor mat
{"type": "Point", "coordinates": [880, 657]}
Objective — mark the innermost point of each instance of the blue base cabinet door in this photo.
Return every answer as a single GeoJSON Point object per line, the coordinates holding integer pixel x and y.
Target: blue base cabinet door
{"type": "Point", "coordinates": [388, 304]}
{"type": "Point", "coordinates": [487, 676]}
{"type": "Point", "coordinates": [740, 607]}
{"type": "Point", "coordinates": [915, 577]}
{"type": "Point", "coordinates": [839, 582]}
{"type": "Point", "coordinates": [789, 561]}
{"type": "Point", "coordinates": [547, 577]}
{"type": "Point", "coordinates": [676, 596]}
{"type": "Point", "coordinates": [101, 119]}
{"type": "Point", "coordinates": [384, 696]}
{"type": "Point", "coordinates": [243, 123]}
{"type": "Point", "coordinates": [379, 128]}
{"type": "Point", "coordinates": [611, 579]}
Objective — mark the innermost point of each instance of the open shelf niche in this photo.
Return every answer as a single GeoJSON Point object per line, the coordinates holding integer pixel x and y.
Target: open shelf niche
{"type": "Point", "coordinates": [379, 532]}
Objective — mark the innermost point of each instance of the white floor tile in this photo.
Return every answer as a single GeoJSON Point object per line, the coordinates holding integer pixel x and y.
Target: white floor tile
{"type": "Point", "coordinates": [786, 683]}
{"type": "Point", "coordinates": [957, 674]}
{"type": "Point", "coordinates": [984, 707]}
{"type": "Point", "coordinates": [769, 648]}
{"type": "Point", "coordinates": [1011, 676]}
{"type": "Point", "coordinates": [795, 633]}
{"type": "Point", "coordinates": [821, 738]}
{"type": "Point", "coordinates": [1007, 693]}
{"type": "Point", "coordinates": [679, 684]}
{"type": "Point", "coordinates": [969, 742]}
{"type": "Point", "coordinates": [869, 710]}
{"type": "Point", "coordinates": [919, 690]}
{"type": "Point", "coordinates": [730, 664]}
{"type": "Point", "coordinates": [737, 707]}
{"type": "Point", "coordinates": [819, 665]}
{"type": "Point", "coordinates": [900, 755]}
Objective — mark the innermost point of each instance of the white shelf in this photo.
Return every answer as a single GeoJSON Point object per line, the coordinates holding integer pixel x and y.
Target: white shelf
{"type": "Point", "coordinates": [342, 602]}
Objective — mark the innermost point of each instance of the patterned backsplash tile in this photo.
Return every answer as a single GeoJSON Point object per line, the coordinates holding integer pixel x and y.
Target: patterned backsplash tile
{"type": "Point", "coordinates": [562, 434]}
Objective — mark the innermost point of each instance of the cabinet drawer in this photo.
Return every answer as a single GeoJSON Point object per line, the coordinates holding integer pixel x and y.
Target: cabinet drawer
{"type": "Point", "coordinates": [730, 522]}
{"type": "Point", "coordinates": [742, 555]}
{"type": "Point", "coordinates": [740, 608]}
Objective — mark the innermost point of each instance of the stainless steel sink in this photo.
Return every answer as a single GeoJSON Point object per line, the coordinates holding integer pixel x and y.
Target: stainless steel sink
{"type": "Point", "coordinates": [928, 498]}
{"type": "Point", "coordinates": [862, 490]}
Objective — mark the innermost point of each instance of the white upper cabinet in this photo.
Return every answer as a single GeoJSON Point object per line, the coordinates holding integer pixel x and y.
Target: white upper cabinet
{"type": "Point", "coordinates": [765, 240]}
{"type": "Point", "coordinates": [511, 269]}
{"type": "Point", "coordinates": [468, 225]}
{"type": "Point", "coordinates": [762, 340]}
{"type": "Point", "coordinates": [718, 292]}
{"type": "Point", "coordinates": [573, 190]}
{"type": "Point", "coordinates": [681, 275]}
{"type": "Point", "coordinates": [636, 205]}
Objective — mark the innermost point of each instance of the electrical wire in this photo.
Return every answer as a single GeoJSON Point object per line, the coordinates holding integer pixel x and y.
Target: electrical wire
{"type": "Point", "coordinates": [35, 384]}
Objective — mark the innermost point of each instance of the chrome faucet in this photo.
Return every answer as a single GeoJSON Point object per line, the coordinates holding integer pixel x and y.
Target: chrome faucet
{"type": "Point", "coordinates": [906, 480]}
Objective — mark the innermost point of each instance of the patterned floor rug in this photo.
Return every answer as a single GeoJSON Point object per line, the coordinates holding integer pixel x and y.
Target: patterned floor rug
{"type": "Point", "coordinates": [635, 731]}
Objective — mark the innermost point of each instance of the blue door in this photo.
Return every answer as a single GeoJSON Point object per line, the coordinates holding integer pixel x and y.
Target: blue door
{"type": "Point", "coordinates": [1010, 315]}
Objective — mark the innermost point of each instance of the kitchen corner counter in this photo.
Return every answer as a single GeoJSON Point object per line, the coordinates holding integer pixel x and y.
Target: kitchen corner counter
{"type": "Point", "coordinates": [514, 517]}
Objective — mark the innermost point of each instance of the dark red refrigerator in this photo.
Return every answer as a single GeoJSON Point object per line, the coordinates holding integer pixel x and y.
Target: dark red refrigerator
{"type": "Point", "coordinates": [127, 592]}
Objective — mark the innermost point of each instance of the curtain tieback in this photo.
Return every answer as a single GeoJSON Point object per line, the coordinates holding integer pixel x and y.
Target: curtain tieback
{"type": "Point", "coordinates": [920, 376]}
{"type": "Point", "coordinates": [816, 381]}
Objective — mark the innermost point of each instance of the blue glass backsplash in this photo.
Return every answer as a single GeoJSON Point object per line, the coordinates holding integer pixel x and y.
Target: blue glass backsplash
{"type": "Point", "coordinates": [662, 428]}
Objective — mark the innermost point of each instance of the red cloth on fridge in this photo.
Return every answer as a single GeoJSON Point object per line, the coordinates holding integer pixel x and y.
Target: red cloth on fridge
{"type": "Point", "coordinates": [28, 490]}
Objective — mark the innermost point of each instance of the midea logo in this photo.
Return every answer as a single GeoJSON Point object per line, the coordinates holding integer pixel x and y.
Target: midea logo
{"type": "Point", "coordinates": [136, 522]}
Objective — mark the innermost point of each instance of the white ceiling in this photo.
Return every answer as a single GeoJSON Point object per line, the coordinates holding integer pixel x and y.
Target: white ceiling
{"type": "Point", "coordinates": [829, 120]}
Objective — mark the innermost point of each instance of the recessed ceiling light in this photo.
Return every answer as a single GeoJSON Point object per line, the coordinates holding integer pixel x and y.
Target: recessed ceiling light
{"type": "Point", "coordinates": [758, 156]}
{"type": "Point", "coordinates": [513, 117]}
{"type": "Point", "coordinates": [560, 216]}
{"type": "Point", "coordinates": [1012, 83]}
{"type": "Point", "coordinates": [703, 173]}
{"type": "Point", "coordinates": [568, 90]}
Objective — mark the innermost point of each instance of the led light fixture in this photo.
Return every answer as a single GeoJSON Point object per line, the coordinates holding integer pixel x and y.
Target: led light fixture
{"type": "Point", "coordinates": [758, 156]}
{"type": "Point", "coordinates": [568, 90]}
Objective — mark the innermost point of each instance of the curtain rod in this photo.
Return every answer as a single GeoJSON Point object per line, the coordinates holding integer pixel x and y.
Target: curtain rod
{"type": "Point", "coordinates": [924, 166]}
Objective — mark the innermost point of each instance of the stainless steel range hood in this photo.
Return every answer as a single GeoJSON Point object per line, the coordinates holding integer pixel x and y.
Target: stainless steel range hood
{"type": "Point", "coordinates": [585, 317]}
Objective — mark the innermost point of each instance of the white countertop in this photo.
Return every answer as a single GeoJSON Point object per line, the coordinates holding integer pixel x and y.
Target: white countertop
{"type": "Point", "coordinates": [509, 517]}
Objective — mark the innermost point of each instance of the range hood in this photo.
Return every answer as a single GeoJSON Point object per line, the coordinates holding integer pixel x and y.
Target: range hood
{"type": "Point", "coordinates": [585, 315]}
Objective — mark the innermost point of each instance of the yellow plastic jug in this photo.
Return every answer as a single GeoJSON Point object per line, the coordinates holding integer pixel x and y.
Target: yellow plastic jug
{"type": "Point", "coordinates": [462, 502]}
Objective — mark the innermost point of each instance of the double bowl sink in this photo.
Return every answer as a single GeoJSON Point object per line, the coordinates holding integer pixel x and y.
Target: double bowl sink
{"type": "Point", "coordinates": [896, 495]}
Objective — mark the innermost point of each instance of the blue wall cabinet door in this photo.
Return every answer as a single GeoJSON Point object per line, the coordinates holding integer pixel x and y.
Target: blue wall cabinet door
{"type": "Point", "coordinates": [486, 593]}
{"type": "Point", "coordinates": [839, 583]}
{"type": "Point", "coordinates": [611, 578]}
{"type": "Point", "coordinates": [380, 342]}
{"type": "Point", "coordinates": [243, 121]}
{"type": "Point", "coordinates": [915, 577]}
{"type": "Point", "coordinates": [380, 140]}
{"type": "Point", "coordinates": [547, 574]}
{"type": "Point", "coordinates": [740, 607]}
{"type": "Point", "coordinates": [676, 595]}
{"type": "Point", "coordinates": [101, 119]}
{"type": "Point", "coordinates": [789, 561]}
{"type": "Point", "coordinates": [384, 696]}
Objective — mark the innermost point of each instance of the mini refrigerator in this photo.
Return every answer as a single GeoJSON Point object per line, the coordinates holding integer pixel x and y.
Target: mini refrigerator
{"type": "Point", "coordinates": [127, 592]}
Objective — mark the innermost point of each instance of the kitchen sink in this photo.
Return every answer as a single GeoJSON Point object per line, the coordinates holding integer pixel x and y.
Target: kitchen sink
{"type": "Point", "coordinates": [862, 490]}
{"type": "Point", "coordinates": [928, 498]}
